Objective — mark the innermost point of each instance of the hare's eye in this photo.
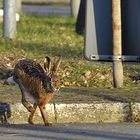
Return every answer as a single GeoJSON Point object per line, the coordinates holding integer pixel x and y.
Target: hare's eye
{"type": "Point", "coordinates": [54, 81]}
{"type": "Point", "coordinates": [49, 79]}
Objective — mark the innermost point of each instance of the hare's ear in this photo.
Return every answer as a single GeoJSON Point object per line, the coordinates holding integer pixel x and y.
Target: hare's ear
{"type": "Point", "coordinates": [57, 64]}
{"type": "Point", "coordinates": [47, 64]}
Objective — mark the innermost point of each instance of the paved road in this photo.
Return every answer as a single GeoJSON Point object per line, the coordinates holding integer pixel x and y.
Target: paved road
{"type": "Point", "coordinates": [42, 10]}
{"type": "Point", "coordinates": [71, 132]}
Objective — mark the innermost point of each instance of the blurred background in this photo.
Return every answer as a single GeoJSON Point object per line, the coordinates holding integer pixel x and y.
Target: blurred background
{"type": "Point", "coordinates": [63, 7]}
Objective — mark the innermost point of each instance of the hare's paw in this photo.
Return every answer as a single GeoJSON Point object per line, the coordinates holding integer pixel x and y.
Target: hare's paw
{"type": "Point", "coordinates": [48, 124]}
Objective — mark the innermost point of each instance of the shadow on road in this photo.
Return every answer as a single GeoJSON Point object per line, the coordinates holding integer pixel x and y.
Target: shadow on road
{"type": "Point", "coordinates": [67, 132]}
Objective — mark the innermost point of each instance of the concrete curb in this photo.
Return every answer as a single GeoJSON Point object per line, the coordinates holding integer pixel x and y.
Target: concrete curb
{"type": "Point", "coordinates": [80, 113]}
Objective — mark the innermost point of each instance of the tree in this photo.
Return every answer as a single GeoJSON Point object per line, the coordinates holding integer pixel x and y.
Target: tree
{"type": "Point", "coordinates": [117, 43]}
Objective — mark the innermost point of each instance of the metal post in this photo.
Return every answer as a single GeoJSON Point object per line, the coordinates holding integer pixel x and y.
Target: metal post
{"type": "Point", "coordinates": [9, 19]}
{"type": "Point", "coordinates": [75, 7]}
{"type": "Point", "coordinates": [80, 23]}
{"type": "Point", "coordinates": [117, 44]}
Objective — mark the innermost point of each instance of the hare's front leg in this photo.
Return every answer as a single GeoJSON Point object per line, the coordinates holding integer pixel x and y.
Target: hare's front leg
{"type": "Point", "coordinates": [41, 104]}
{"type": "Point", "coordinates": [44, 115]}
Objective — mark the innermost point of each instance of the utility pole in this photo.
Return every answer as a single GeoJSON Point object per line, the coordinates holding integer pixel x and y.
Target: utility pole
{"type": "Point", "coordinates": [9, 19]}
{"type": "Point", "coordinates": [117, 44]}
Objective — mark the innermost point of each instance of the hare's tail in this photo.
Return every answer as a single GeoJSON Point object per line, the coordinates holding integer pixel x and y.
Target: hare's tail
{"type": "Point", "coordinates": [10, 80]}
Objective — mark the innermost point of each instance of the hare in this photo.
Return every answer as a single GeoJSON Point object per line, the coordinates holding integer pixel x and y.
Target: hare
{"type": "Point", "coordinates": [38, 83]}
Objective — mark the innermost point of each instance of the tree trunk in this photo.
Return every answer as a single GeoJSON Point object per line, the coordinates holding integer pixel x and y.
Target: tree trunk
{"type": "Point", "coordinates": [117, 44]}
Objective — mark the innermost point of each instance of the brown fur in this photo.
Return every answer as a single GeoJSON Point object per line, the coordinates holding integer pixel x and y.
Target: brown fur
{"type": "Point", "coordinates": [33, 80]}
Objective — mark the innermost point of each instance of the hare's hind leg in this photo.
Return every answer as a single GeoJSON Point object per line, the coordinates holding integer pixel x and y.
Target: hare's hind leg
{"type": "Point", "coordinates": [27, 104]}
{"type": "Point", "coordinates": [30, 119]}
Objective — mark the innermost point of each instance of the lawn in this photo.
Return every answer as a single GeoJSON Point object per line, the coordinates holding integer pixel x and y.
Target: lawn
{"type": "Point", "coordinates": [53, 36]}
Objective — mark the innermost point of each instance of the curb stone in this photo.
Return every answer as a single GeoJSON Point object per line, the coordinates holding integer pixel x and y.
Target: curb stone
{"type": "Point", "coordinates": [135, 109]}
{"type": "Point", "coordinates": [80, 113]}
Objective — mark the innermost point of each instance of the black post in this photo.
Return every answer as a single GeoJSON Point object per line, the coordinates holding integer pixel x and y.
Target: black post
{"type": "Point", "coordinates": [80, 24]}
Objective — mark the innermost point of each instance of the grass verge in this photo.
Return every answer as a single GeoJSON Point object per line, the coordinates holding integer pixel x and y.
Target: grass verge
{"type": "Point", "coordinates": [52, 36]}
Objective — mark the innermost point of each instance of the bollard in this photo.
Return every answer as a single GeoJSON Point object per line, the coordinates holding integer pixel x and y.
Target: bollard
{"type": "Point", "coordinates": [75, 7]}
{"type": "Point", "coordinates": [80, 23]}
{"type": "Point", "coordinates": [9, 19]}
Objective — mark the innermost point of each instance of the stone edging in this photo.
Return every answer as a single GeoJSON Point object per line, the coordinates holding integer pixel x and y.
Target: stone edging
{"type": "Point", "coordinates": [80, 113]}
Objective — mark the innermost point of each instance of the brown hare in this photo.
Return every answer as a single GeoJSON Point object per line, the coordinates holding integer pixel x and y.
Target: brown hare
{"type": "Point", "coordinates": [38, 83]}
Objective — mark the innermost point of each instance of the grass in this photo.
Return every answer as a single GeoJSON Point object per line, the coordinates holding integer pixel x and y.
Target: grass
{"type": "Point", "coordinates": [53, 36]}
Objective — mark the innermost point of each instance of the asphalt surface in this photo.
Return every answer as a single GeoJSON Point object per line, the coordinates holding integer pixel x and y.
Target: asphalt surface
{"type": "Point", "coordinates": [71, 132]}
{"type": "Point", "coordinates": [42, 10]}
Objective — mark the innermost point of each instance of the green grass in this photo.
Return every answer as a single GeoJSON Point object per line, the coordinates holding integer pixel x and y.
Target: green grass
{"type": "Point", "coordinates": [53, 36]}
